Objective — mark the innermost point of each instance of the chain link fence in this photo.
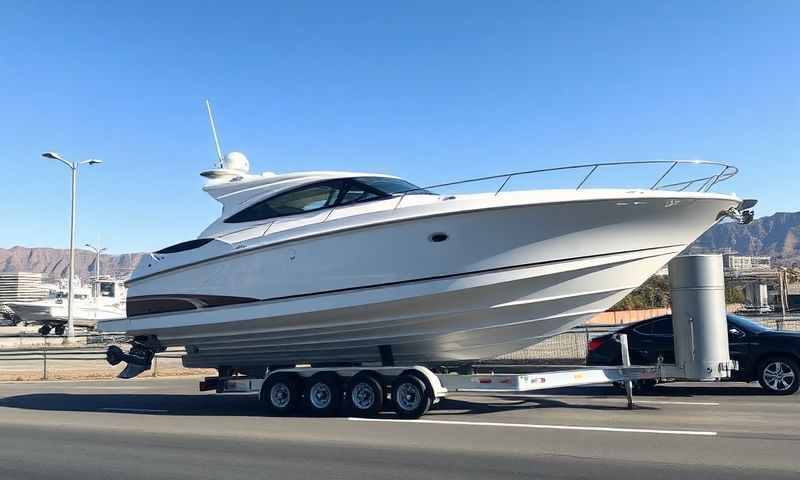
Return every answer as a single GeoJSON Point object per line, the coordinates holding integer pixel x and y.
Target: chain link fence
{"type": "Point", "coordinates": [566, 348]}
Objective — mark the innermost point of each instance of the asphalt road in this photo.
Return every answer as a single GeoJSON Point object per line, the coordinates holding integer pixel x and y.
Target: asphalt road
{"type": "Point", "coordinates": [164, 429]}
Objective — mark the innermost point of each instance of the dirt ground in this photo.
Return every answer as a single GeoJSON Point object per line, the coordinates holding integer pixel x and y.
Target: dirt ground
{"type": "Point", "coordinates": [59, 369]}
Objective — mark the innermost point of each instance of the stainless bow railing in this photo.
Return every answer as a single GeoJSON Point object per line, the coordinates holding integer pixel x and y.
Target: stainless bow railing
{"type": "Point", "coordinates": [725, 172]}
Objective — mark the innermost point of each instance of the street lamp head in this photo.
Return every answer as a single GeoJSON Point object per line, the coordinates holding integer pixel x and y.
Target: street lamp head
{"type": "Point", "coordinates": [52, 156]}
{"type": "Point", "coordinates": [91, 161]}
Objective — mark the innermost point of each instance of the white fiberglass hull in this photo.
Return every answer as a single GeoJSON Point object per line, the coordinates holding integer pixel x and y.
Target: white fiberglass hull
{"type": "Point", "coordinates": [50, 312]}
{"type": "Point", "coordinates": [506, 277]}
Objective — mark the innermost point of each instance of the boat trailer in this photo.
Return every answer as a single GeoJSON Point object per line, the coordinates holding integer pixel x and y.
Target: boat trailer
{"type": "Point", "coordinates": [409, 390]}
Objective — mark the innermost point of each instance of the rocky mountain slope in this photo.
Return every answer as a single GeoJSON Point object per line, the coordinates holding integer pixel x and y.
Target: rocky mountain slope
{"type": "Point", "coordinates": [777, 236]}
{"type": "Point", "coordinates": [54, 262]}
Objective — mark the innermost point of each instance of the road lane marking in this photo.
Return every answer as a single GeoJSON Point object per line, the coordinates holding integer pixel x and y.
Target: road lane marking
{"type": "Point", "coordinates": [116, 388]}
{"type": "Point", "coordinates": [101, 380]}
{"type": "Point", "coordinates": [665, 402]}
{"type": "Point", "coordinates": [134, 410]}
{"type": "Point", "coordinates": [542, 427]}
{"type": "Point", "coordinates": [635, 400]}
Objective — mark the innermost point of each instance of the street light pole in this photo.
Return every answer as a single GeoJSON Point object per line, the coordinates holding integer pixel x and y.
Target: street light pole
{"type": "Point", "coordinates": [70, 323]}
{"type": "Point", "coordinates": [73, 166]}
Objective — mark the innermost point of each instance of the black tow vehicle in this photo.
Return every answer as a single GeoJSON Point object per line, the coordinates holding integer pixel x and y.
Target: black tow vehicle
{"type": "Point", "coordinates": [768, 356]}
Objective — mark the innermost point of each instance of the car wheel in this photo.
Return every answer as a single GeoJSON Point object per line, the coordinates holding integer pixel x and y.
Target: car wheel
{"type": "Point", "coordinates": [779, 375]}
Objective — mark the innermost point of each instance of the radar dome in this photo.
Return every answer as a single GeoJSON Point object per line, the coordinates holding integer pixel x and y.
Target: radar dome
{"type": "Point", "coordinates": [236, 161]}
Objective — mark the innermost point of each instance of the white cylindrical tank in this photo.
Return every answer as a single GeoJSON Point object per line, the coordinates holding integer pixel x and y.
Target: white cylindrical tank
{"type": "Point", "coordinates": [697, 287]}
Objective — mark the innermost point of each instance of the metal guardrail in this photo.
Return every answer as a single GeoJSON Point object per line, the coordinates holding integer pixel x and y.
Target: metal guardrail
{"type": "Point", "coordinates": [75, 354]}
{"type": "Point", "coordinates": [33, 333]}
{"type": "Point", "coordinates": [726, 172]}
{"type": "Point", "coordinates": [47, 355]}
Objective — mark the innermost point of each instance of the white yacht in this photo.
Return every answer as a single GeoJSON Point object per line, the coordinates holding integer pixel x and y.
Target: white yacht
{"type": "Point", "coordinates": [102, 299]}
{"type": "Point", "coordinates": [323, 267]}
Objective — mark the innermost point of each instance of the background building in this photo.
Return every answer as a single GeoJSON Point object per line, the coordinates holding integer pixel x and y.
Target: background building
{"type": "Point", "coordinates": [742, 263]}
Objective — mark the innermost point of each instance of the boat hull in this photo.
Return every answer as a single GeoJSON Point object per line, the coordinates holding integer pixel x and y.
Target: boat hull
{"type": "Point", "coordinates": [505, 278]}
{"type": "Point", "coordinates": [55, 313]}
{"type": "Point", "coordinates": [454, 320]}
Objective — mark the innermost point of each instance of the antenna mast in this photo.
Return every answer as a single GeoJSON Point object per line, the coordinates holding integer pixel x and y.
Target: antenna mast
{"type": "Point", "coordinates": [214, 132]}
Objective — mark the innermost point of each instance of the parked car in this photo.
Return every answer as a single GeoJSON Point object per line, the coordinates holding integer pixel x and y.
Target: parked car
{"type": "Point", "coordinates": [769, 356]}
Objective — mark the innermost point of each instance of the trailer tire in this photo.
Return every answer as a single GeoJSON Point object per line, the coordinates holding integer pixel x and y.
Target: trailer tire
{"type": "Point", "coordinates": [323, 394]}
{"type": "Point", "coordinates": [410, 397]}
{"type": "Point", "coordinates": [282, 393]}
{"type": "Point", "coordinates": [428, 387]}
{"type": "Point", "coordinates": [365, 395]}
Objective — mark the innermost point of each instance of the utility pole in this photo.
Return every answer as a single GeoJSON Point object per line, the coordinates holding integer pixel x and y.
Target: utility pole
{"type": "Point", "coordinates": [73, 166]}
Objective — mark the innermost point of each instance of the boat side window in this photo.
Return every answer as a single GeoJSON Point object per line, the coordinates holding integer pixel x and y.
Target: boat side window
{"type": "Point", "coordinates": [391, 186]}
{"type": "Point", "coordinates": [107, 289]}
{"type": "Point", "coordinates": [356, 192]}
{"type": "Point", "coordinates": [301, 200]}
{"type": "Point", "coordinates": [184, 246]}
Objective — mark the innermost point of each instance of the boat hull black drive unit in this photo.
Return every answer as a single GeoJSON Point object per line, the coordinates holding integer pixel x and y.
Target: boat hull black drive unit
{"type": "Point", "coordinates": [138, 359]}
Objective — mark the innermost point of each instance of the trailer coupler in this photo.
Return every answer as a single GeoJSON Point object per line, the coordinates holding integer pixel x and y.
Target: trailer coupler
{"type": "Point", "coordinates": [138, 359]}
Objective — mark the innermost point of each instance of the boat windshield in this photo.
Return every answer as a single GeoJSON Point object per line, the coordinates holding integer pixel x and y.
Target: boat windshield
{"type": "Point", "coordinates": [391, 186]}
{"type": "Point", "coordinates": [326, 194]}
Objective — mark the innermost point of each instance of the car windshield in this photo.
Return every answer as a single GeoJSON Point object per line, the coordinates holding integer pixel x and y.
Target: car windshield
{"type": "Point", "coordinates": [391, 186]}
{"type": "Point", "coordinates": [748, 324]}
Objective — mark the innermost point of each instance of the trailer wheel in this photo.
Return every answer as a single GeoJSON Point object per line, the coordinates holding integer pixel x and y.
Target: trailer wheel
{"type": "Point", "coordinates": [323, 394]}
{"type": "Point", "coordinates": [366, 395]}
{"type": "Point", "coordinates": [779, 375]}
{"type": "Point", "coordinates": [281, 392]}
{"type": "Point", "coordinates": [409, 397]}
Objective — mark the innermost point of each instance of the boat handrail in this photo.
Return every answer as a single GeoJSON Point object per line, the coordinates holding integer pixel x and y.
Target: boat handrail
{"type": "Point", "coordinates": [726, 172]}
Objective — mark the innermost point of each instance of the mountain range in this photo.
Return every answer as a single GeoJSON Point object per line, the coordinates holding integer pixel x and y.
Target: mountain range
{"type": "Point", "coordinates": [777, 236]}
{"type": "Point", "coordinates": [55, 262]}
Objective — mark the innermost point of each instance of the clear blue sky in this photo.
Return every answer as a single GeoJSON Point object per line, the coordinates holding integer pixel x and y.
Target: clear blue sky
{"type": "Point", "coordinates": [431, 91]}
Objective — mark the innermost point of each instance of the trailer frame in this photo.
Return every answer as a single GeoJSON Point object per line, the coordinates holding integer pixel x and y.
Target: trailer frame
{"type": "Point", "coordinates": [350, 388]}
